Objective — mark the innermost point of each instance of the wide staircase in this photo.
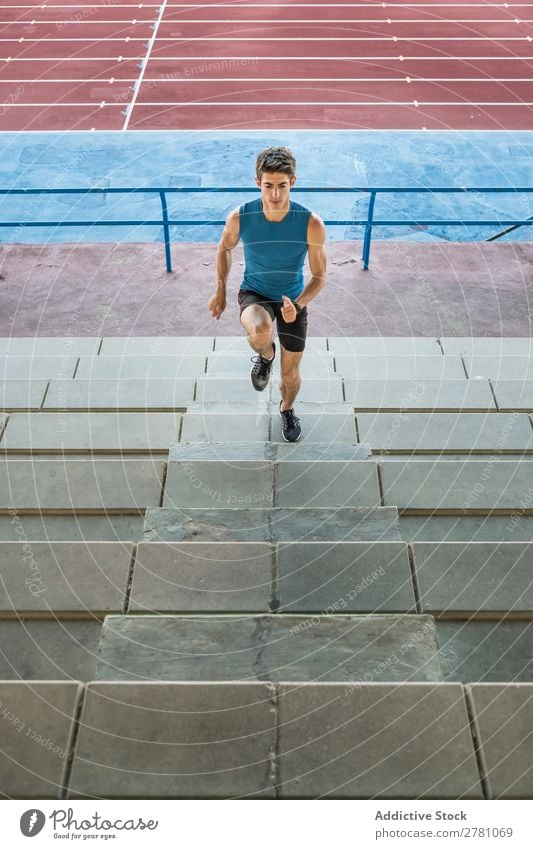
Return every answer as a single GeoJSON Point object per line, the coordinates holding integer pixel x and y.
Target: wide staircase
{"type": "Point", "coordinates": [191, 607]}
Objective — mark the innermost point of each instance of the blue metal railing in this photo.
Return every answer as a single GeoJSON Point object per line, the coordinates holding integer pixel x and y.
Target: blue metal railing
{"type": "Point", "coordinates": [368, 223]}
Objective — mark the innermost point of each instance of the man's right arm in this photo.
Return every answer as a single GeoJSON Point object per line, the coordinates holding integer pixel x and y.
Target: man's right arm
{"type": "Point", "coordinates": [228, 240]}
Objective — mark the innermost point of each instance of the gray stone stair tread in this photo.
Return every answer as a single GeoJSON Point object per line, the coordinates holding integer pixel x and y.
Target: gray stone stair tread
{"type": "Point", "coordinates": [173, 740]}
{"type": "Point", "coordinates": [29, 367]}
{"type": "Point", "coordinates": [504, 716]}
{"type": "Point", "coordinates": [91, 432]}
{"type": "Point", "coordinates": [205, 474]}
{"type": "Point", "coordinates": [517, 528]}
{"type": "Point", "coordinates": [248, 524]}
{"type": "Point", "coordinates": [49, 649]}
{"type": "Point", "coordinates": [76, 528]}
{"type": "Point", "coordinates": [268, 405]}
{"type": "Point", "coordinates": [384, 345]}
{"type": "Point", "coordinates": [513, 394]}
{"type": "Point", "coordinates": [502, 432]}
{"type": "Point", "coordinates": [221, 452]}
{"type": "Point", "coordinates": [457, 485]}
{"type": "Point", "coordinates": [225, 387]}
{"type": "Point", "coordinates": [325, 483]}
{"type": "Point", "coordinates": [22, 394]}
{"type": "Point", "coordinates": [262, 450]}
{"type": "Point", "coordinates": [119, 394]}
{"type": "Point", "coordinates": [476, 576]}
{"type": "Point", "coordinates": [203, 426]}
{"type": "Point", "coordinates": [239, 344]}
{"type": "Point", "coordinates": [400, 367]}
{"type": "Point", "coordinates": [246, 423]}
{"type": "Point", "coordinates": [49, 345]}
{"type": "Point", "coordinates": [237, 363]}
{"type": "Point", "coordinates": [486, 650]}
{"type": "Point", "coordinates": [34, 743]}
{"type": "Point", "coordinates": [421, 395]}
{"type": "Point", "coordinates": [268, 648]}
{"type": "Point", "coordinates": [372, 740]}
{"type": "Point", "coordinates": [344, 577]}
{"type": "Point", "coordinates": [147, 367]}
{"type": "Point", "coordinates": [155, 345]}
{"type": "Point", "coordinates": [319, 427]}
{"type": "Point", "coordinates": [91, 484]}
{"type": "Point", "coordinates": [64, 576]}
{"type": "Point", "coordinates": [474, 345]}
{"type": "Point", "coordinates": [504, 366]}
{"type": "Point", "coordinates": [202, 577]}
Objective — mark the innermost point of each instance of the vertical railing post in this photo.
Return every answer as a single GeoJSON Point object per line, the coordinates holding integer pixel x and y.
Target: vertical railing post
{"type": "Point", "coordinates": [368, 231]}
{"type": "Point", "coordinates": [166, 230]}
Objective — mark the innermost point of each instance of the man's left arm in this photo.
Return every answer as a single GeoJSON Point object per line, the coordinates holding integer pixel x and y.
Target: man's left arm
{"type": "Point", "coordinates": [316, 240]}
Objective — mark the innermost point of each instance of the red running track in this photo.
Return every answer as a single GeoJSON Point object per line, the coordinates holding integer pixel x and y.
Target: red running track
{"type": "Point", "coordinates": [111, 64]}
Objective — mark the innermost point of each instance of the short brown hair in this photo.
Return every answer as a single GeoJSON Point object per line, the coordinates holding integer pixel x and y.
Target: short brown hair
{"type": "Point", "coordinates": [275, 160]}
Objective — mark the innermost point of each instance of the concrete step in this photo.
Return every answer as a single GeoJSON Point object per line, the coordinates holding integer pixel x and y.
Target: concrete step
{"type": "Point", "coordinates": [106, 527]}
{"type": "Point", "coordinates": [22, 394]}
{"type": "Point", "coordinates": [259, 739]}
{"type": "Point", "coordinates": [390, 346]}
{"type": "Point", "coordinates": [400, 367]}
{"type": "Point", "coordinates": [474, 578]}
{"type": "Point", "coordinates": [263, 423]}
{"type": "Point", "coordinates": [64, 578]}
{"type": "Point", "coordinates": [91, 433]}
{"type": "Point", "coordinates": [369, 395]}
{"type": "Point", "coordinates": [269, 648]}
{"type": "Point", "coordinates": [96, 485]}
{"type": "Point", "coordinates": [500, 366]}
{"type": "Point", "coordinates": [243, 523]}
{"type": "Point", "coordinates": [474, 345]}
{"type": "Point", "coordinates": [314, 740]}
{"type": "Point", "coordinates": [261, 577]}
{"type": "Point", "coordinates": [461, 528]}
{"type": "Point", "coordinates": [262, 473]}
{"type": "Point", "coordinates": [446, 432]}
{"type": "Point", "coordinates": [513, 395]}
{"type": "Point", "coordinates": [460, 486]}
{"type": "Point", "coordinates": [15, 367]}
{"type": "Point", "coordinates": [226, 387]}
{"type": "Point", "coordinates": [119, 394]}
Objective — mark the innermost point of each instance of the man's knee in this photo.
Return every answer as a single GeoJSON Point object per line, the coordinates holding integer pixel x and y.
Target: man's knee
{"type": "Point", "coordinates": [290, 375]}
{"type": "Point", "coordinates": [260, 333]}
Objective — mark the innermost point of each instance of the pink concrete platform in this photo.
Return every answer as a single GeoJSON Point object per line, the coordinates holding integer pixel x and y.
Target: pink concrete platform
{"type": "Point", "coordinates": [419, 289]}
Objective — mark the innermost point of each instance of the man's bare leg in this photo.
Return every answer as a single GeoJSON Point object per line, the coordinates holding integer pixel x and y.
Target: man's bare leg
{"type": "Point", "coordinates": [290, 381]}
{"type": "Point", "coordinates": [259, 327]}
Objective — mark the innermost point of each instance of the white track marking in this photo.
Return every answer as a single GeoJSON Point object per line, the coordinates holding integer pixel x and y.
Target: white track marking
{"type": "Point", "coordinates": [137, 85]}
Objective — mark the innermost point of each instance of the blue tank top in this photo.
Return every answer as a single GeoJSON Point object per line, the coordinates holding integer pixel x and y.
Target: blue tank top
{"type": "Point", "coordinates": [274, 251]}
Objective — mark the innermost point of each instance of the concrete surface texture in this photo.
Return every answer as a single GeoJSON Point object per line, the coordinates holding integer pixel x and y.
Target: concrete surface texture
{"type": "Point", "coordinates": [354, 609]}
{"type": "Point", "coordinates": [393, 159]}
{"type": "Point", "coordinates": [423, 290]}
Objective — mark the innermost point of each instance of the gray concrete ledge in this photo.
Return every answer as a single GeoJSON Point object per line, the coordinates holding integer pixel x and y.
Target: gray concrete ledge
{"type": "Point", "coordinates": [260, 524]}
{"type": "Point", "coordinates": [269, 648]}
{"type": "Point", "coordinates": [503, 715]}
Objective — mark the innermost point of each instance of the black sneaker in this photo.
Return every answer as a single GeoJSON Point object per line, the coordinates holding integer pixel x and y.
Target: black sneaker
{"type": "Point", "coordinates": [290, 425]}
{"type": "Point", "coordinates": [260, 373]}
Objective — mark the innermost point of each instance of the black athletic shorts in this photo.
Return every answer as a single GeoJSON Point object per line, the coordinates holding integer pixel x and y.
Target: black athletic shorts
{"type": "Point", "coordinates": [291, 334]}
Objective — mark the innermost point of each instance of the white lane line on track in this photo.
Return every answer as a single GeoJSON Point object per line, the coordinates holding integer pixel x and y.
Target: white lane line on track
{"type": "Point", "coordinates": [220, 59]}
{"type": "Point", "coordinates": [209, 38]}
{"type": "Point", "coordinates": [137, 85]}
{"type": "Point", "coordinates": [280, 80]}
{"type": "Point", "coordinates": [296, 21]}
{"type": "Point", "coordinates": [104, 105]}
{"type": "Point", "coordinates": [468, 103]}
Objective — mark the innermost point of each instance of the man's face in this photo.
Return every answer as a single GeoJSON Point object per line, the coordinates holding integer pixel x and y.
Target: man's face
{"type": "Point", "coordinates": [275, 189]}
